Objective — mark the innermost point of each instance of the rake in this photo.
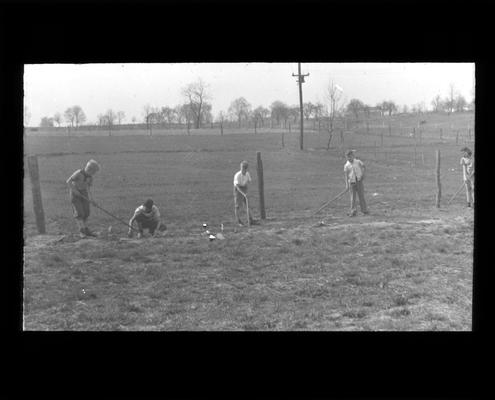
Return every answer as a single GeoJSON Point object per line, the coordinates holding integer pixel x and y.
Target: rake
{"type": "Point", "coordinates": [330, 201]}
{"type": "Point", "coordinates": [109, 213]}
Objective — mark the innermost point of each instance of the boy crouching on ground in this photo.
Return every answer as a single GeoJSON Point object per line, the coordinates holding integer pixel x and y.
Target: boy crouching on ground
{"type": "Point", "coordinates": [79, 184]}
{"type": "Point", "coordinates": [241, 180]}
{"type": "Point", "coordinates": [146, 216]}
{"type": "Point", "coordinates": [354, 176]}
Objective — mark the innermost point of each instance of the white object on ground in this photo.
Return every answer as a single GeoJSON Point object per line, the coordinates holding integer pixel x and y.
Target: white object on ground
{"type": "Point", "coordinates": [211, 237]}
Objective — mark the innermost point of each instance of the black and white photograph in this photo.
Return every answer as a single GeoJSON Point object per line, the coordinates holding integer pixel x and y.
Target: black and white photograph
{"type": "Point", "coordinates": [248, 196]}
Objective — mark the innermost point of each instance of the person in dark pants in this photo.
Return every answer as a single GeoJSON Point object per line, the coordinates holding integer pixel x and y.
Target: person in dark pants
{"type": "Point", "coordinates": [354, 175]}
{"type": "Point", "coordinates": [79, 183]}
{"type": "Point", "coordinates": [146, 216]}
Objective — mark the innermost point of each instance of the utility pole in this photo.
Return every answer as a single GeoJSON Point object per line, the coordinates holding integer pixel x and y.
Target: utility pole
{"type": "Point", "coordinates": [300, 81]}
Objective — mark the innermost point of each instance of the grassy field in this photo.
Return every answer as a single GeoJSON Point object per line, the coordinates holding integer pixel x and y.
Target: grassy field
{"type": "Point", "coordinates": [407, 266]}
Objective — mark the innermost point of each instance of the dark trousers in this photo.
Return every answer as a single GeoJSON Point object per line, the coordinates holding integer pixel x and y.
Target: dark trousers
{"type": "Point", "coordinates": [146, 223]}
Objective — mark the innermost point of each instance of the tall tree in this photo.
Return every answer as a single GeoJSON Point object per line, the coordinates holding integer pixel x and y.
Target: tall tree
{"type": "Point", "coordinates": [308, 110]}
{"type": "Point", "coordinates": [355, 106]}
{"type": "Point", "coordinates": [79, 116]}
{"type": "Point", "coordinates": [279, 111]}
{"type": "Point", "coordinates": [57, 118]}
{"type": "Point", "coordinates": [196, 94]}
{"type": "Point", "coordinates": [460, 103]}
{"type": "Point", "coordinates": [69, 117]}
{"type": "Point", "coordinates": [436, 103]}
{"type": "Point", "coordinates": [335, 108]}
{"type": "Point", "coordinates": [120, 116]}
{"type": "Point", "coordinates": [240, 109]}
{"type": "Point", "coordinates": [260, 113]}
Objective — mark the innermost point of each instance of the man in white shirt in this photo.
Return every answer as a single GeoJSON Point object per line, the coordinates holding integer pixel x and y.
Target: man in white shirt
{"type": "Point", "coordinates": [467, 164]}
{"type": "Point", "coordinates": [147, 216]}
{"type": "Point", "coordinates": [354, 175]}
{"type": "Point", "coordinates": [241, 180]}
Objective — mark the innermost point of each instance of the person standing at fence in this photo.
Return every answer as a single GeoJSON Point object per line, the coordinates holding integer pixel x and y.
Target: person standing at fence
{"type": "Point", "coordinates": [79, 183]}
{"type": "Point", "coordinates": [241, 180]}
{"type": "Point", "coordinates": [467, 164]}
{"type": "Point", "coordinates": [354, 172]}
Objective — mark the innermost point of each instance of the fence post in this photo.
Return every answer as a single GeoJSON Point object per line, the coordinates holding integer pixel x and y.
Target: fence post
{"type": "Point", "coordinates": [389, 130]}
{"type": "Point", "coordinates": [289, 127]}
{"type": "Point", "coordinates": [255, 123]}
{"type": "Point", "coordinates": [381, 135]}
{"type": "Point", "coordinates": [415, 150]}
{"type": "Point", "coordinates": [221, 128]}
{"type": "Point", "coordinates": [261, 185]}
{"type": "Point", "coordinates": [342, 137]}
{"type": "Point", "coordinates": [457, 138]}
{"type": "Point", "coordinates": [283, 144]}
{"type": "Point", "coordinates": [374, 147]}
{"type": "Point", "coordinates": [439, 186]}
{"type": "Point", "coordinates": [469, 134]}
{"type": "Point", "coordinates": [36, 190]}
{"type": "Point", "coordinates": [441, 133]}
{"type": "Point", "coordinates": [367, 127]}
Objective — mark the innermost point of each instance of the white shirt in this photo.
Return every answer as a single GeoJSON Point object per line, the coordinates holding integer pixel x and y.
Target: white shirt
{"type": "Point", "coordinates": [242, 180]}
{"type": "Point", "coordinates": [154, 214]}
{"type": "Point", "coordinates": [354, 170]}
{"type": "Point", "coordinates": [467, 164]}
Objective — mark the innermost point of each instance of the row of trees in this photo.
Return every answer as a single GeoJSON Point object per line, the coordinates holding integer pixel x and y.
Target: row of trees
{"type": "Point", "coordinates": [196, 110]}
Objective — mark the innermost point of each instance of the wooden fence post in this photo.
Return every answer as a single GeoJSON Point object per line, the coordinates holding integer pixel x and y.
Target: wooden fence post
{"type": "Point", "coordinates": [261, 185]}
{"type": "Point", "coordinates": [374, 147]}
{"type": "Point", "coordinates": [441, 133]}
{"type": "Point", "coordinates": [439, 186]}
{"type": "Point", "coordinates": [381, 136]}
{"type": "Point", "coordinates": [289, 127]}
{"type": "Point", "coordinates": [457, 138]}
{"type": "Point", "coordinates": [367, 127]}
{"type": "Point", "coordinates": [255, 123]}
{"type": "Point", "coordinates": [36, 191]}
{"type": "Point", "coordinates": [389, 130]}
{"type": "Point", "coordinates": [469, 134]}
{"type": "Point", "coordinates": [221, 128]}
{"type": "Point", "coordinates": [415, 153]}
{"type": "Point", "coordinates": [283, 144]}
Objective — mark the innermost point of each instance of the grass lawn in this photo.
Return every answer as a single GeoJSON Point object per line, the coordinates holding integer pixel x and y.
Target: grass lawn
{"type": "Point", "coordinates": [407, 266]}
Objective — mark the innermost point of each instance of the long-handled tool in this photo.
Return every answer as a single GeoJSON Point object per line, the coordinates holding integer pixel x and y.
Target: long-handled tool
{"type": "Point", "coordinates": [109, 213]}
{"type": "Point", "coordinates": [456, 193]}
{"type": "Point", "coordinates": [247, 205]}
{"type": "Point", "coordinates": [330, 201]}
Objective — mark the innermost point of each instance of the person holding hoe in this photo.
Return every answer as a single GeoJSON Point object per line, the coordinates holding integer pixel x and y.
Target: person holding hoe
{"type": "Point", "coordinates": [354, 172]}
{"type": "Point", "coordinates": [79, 183]}
{"type": "Point", "coordinates": [241, 180]}
{"type": "Point", "coordinates": [146, 216]}
{"type": "Point", "coordinates": [467, 164]}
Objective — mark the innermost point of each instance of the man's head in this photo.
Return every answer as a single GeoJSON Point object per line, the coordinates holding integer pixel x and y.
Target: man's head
{"type": "Point", "coordinates": [244, 166]}
{"type": "Point", "coordinates": [350, 155]}
{"type": "Point", "coordinates": [148, 204]}
{"type": "Point", "coordinates": [92, 167]}
{"type": "Point", "coordinates": [467, 151]}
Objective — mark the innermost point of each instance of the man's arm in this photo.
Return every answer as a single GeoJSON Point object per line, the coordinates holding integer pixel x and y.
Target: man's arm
{"type": "Point", "coordinates": [346, 179]}
{"type": "Point", "coordinates": [72, 185]}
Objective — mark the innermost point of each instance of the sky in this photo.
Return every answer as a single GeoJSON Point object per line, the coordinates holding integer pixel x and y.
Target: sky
{"type": "Point", "coordinates": [51, 88]}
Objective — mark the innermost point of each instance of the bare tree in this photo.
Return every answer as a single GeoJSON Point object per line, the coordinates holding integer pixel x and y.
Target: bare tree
{"type": "Point", "coordinates": [355, 106]}
{"type": "Point", "coordinates": [147, 114]}
{"type": "Point", "coordinates": [318, 111]}
{"type": "Point", "coordinates": [335, 108]}
{"type": "Point", "coordinates": [279, 111]}
{"type": "Point", "coordinates": [69, 116]}
{"type": "Point", "coordinates": [196, 94]}
{"type": "Point", "coordinates": [79, 116]}
{"type": "Point", "coordinates": [120, 116]}
{"type": "Point", "coordinates": [436, 103]}
{"type": "Point", "coordinates": [109, 120]}
{"type": "Point", "coordinates": [308, 110]}
{"type": "Point", "coordinates": [57, 118]}
{"type": "Point", "coordinates": [460, 103]}
{"type": "Point", "coordinates": [261, 113]}
{"type": "Point", "coordinates": [240, 109]}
